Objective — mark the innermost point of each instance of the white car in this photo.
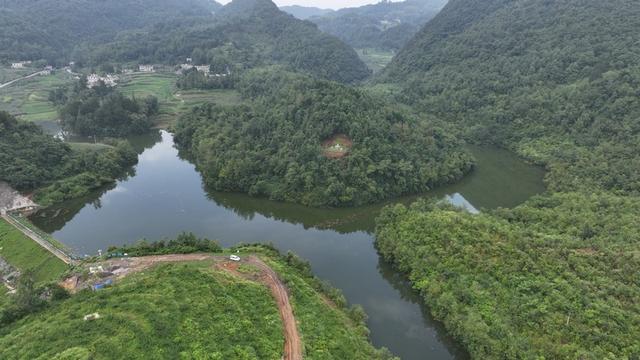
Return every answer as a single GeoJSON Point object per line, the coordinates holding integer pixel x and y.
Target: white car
{"type": "Point", "coordinates": [234, 258]}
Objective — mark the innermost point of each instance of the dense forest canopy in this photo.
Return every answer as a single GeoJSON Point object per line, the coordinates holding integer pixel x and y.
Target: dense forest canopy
{"type": "Point", "coordinates": [555, 278]}
{"type": "Point", "coordinates": [273, 144]}
{"type": "Point", "coordinates": [386, 25]}
{"type": "Point", "coordinates": [558, 82]}
{"type": "Point", "coordinates": [31, 159]}
{"type": "Point", "coordinates": [243, 34]}
{"type": "Point", "coordinates": [52, 29]}
{"type": "Point", "coordinates": [103, 111]}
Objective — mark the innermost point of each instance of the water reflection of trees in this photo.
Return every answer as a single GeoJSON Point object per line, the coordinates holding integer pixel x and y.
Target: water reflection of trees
{"type": "Point", "coordinates": [56, 217]}
{"type": "Point", "coordinates": [340, 220]}
{"type": "Point", "coordinates": [402, 284]}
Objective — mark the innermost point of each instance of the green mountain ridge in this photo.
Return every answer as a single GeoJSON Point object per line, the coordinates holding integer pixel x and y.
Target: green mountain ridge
{"type": "Point", "coordinates": [553, 81]}
{"type": "Point", "coordinates": [58, 26]}
{"type": "Point", "coordinates": [385, 25]}
{"type": "Point", "coordinates": [246, 34]}
{"type": "Point", "coordinates": [558, 82]}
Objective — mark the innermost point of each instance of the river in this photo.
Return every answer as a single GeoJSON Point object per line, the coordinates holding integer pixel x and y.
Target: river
{"type": "Point", "coordinates": [164, 196]}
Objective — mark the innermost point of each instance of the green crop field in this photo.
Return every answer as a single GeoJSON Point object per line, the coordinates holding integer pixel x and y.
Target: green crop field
{"type": "Point", "coordinates": [26, 255]}
{"type": "Point", "coordinates": [7, 74]}
{"type": "Point", "coordinates": [173, 102]}
{"type": "Point", "coordinates": [375, 59]}
{"type": "Point", "coordinates": [28, 98]}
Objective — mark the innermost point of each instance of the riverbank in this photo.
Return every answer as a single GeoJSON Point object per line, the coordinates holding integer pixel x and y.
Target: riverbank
{"type": "Point", "coordinates": [233, 309]}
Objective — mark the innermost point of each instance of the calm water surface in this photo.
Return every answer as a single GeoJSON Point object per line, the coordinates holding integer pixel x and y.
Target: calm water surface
{"type": "Point", "coordinates": [164, 196]}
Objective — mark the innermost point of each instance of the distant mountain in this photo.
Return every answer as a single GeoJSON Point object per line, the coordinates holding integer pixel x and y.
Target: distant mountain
{"type": "Point", "coordinates": [242, 34]}
{"type": "Point", "coordinates": [304, 12]}
{"type": "Point", "coordinates": [52, 28]}
{"type": "Point", "coordinates": [385, 25]}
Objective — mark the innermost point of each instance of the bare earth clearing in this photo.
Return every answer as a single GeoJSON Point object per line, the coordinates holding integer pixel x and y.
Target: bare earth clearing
{"type": "Point", "coordinates": [337, 146]}
{"type": "Point", "coordinates": [10, 199]}
{"type": "Point", "coordinates": [117, 269]}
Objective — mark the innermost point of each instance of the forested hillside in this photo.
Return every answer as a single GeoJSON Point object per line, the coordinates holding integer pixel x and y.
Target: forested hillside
{"type": "Point", "coordinates": [52, 29]}
{"type": "Point", "coordinates": [556, 81]}
{"type": "Point", "coordinates": [559, 83]}
{"type": "Point", "coordinates": [102, 111]}
{"type": "Point", "coordinates": [317, 143]}
{"type": "Point", "coordinates": [243, 34]}
{"type": "Point", "coordinates": [386, 25]}
{"type": "Point", "coordinates": [305, 12]}
{"type": "Point", "coordinates": [555, 278]}
{"type": "Point", "coordinates": [31, 159]}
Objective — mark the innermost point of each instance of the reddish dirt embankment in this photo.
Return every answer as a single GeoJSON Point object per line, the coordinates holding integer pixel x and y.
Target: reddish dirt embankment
{"type": "Point", "coordinates": [264, 275]}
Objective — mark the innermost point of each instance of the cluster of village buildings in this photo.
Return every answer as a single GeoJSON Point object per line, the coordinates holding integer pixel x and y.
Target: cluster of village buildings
{"type": "Point", "coordinates": [205, 69]}
{"type": "Point", "coordinates": [111, 80]}
{"type": "Point", "coordinates": [24, 64]}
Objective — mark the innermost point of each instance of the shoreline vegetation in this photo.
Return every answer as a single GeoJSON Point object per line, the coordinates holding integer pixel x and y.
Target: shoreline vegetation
{"type": "Point", "coordinates": [271, 145]}
{"type": "Point", "coordinates": [326, 324]}
{"type": "Point", "coordinates": [31, 160]}
{"type": "Point", "coordinates": [551, 278]}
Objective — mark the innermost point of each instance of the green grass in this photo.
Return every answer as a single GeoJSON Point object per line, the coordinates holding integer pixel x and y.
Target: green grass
{"type": "Point", "coordinates": [28, 98]}
{"type": "Point", "coordinates": [170, 312]}
{"type": "Point", "coordinates": [327, 332]}
{"type": "Point", "coordinates": [173, 101]}
{"type": "Point", "coordinates": [188, 310]}
{"type": "Point", "coordinates": [26, 255]}
{"type": "Point", "coordinates": [83, 146]}
{"type": "Point", "coordinates": [7, 74]}
{"type": "Point", "coordinates": [375, 59]}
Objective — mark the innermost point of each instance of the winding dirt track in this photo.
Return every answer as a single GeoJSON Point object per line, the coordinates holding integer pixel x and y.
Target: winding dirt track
{"type": "Point", "coordinates": [292, 342]}
{"type": "Point", "coordinates": [266, 276]}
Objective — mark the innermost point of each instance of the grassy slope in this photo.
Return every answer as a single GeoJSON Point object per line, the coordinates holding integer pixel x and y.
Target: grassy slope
{"type": "Point", "coordinates": [327, 333]}
{"type": "Point", "coordinates": [188, 310]}
{"type": "Point", "coordinates": [169, 312]}
{"type": "Point", "coordinates": [29, 98]}
{"type": "Point", "coordinates": [26, 255]}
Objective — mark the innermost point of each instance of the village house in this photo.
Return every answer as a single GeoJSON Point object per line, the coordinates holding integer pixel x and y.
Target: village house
{"type": "Point", "coordinates": [204, 69]}
{"type": "Point", "coordinates": [20, 64]}
{"type": "Point", "coordinates": [145, 68]}
{"type": "Point", "coordinates": [94, 79]}
{"type": "Point", "coordinates": [186, 66]}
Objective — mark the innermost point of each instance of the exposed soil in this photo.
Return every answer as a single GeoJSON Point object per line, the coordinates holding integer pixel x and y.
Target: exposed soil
{"type": "Point", "coordinates": [12, 200]}
{"type": "Point", "coordinates": [337, 146]}
{"type": "Point", "coordinates": [116, 269]}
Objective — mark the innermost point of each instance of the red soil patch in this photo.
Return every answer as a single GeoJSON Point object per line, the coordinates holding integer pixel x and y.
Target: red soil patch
{"type": "Point", "coordinates": [337, 146]}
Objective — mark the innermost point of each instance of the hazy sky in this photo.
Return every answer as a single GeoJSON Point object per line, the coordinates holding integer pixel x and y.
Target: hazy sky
{"type": "Point", "coordinates": [326, 4]}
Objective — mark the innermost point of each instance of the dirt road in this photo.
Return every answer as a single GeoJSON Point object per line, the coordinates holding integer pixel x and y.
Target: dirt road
{"type": "Point", "coordinates": [264, 275]}
{"type": "Point", "coordinates": [292, 342]}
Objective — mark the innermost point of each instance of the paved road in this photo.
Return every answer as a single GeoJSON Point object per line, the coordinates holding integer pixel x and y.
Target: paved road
{"type": "Point", "coordinates": [22, 78]}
